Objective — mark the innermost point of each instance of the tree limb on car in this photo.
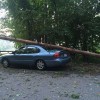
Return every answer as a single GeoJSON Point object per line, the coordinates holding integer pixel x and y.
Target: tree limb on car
{"type": "Point", "coordinates": [50, 45]}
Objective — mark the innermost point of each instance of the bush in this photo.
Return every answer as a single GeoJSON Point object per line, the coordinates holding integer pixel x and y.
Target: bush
{"type": "Point", "coordinates": [93, 59]}
{"type": "Point", "coordinates": [89, 59]}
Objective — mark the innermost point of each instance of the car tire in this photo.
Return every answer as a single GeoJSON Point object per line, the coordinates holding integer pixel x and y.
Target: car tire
{"type": "Point", "coordinates": [5, 63]}
{"type": "Point", "coordinates": [40, 65]}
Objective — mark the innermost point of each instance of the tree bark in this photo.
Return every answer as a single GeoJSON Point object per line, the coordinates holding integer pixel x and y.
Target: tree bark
{"type": "Point", "coordinates": [50, 45]}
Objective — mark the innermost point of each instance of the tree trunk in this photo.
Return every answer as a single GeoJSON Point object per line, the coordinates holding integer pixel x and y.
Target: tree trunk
{"type": "Point", "coordinates": [84, 46]}
{"type": "Point", "coordinates": [52, 46]}
{"type": "Point", "coordinates": [29, 28]}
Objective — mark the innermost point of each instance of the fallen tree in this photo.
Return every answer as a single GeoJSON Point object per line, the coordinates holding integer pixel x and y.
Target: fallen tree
{"type": "Point", "coordinates": [51, 45]}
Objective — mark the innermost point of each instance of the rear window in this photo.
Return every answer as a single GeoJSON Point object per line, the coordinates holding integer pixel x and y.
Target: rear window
{"type": "Point", "coordinates": [54, 50]}
{"type": "Point", "coordinates": [50, 49]}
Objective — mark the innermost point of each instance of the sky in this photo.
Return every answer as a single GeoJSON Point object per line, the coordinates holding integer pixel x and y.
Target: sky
{"type": "Point", "coordinates": [5, 45]}
{"type": "Point", "coordinates": [2, 13]}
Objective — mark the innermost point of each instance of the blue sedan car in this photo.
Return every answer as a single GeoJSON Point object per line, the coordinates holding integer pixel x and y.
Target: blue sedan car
{"type": "Point", "coordinates": [37, 56]}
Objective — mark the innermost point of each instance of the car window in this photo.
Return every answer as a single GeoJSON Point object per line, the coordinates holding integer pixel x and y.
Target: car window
{"type": "Point", "coordinates": [32, 50]}
{"type": "Point", "coordinates": [21, 51]}
{"type": "Point", "coordinates": [28, 50]}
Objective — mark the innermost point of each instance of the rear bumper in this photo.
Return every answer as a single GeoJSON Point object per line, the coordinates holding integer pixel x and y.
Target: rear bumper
{"type": "Point", "coordinates": [58, 62]}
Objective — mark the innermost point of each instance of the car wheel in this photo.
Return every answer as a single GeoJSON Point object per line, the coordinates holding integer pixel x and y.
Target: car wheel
{"type": "Point", "coordinates": [40, 65]}
{"type": "Point", "coordinates": [5, 63]}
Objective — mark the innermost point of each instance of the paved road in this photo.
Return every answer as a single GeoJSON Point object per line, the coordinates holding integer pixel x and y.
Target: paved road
{"type": "Point", "coordinates": [26, 84]}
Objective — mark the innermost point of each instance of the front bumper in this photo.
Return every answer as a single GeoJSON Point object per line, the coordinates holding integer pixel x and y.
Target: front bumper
{"type": "Point", "coordinates": [58, 62]}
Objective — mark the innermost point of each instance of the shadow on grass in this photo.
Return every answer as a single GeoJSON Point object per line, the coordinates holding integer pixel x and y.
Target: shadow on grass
{"type": "Point", "coordinates": [77, 68]}
{"type": "Point", "coordinates": [57, 68]}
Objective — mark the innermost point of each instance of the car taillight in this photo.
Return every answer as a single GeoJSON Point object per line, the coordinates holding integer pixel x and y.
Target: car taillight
{"type": "Point", "coordinates": [56, 55]}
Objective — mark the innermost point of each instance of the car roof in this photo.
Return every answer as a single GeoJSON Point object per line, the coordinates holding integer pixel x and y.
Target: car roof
{"type": "Point", "coordinates": [44, 47]}
{"type": "Point", "coordinates": [34, 46]}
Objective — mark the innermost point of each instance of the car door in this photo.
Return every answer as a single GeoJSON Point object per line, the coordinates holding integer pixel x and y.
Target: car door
{"type": "Point", "coordinates": [32, 53]}
{"type": "Point", "coordinates": [25, 55]}
{"type": "Point", "coordinates": [19, 56]}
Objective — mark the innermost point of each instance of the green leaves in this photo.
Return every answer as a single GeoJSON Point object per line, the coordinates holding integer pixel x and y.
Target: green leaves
{"type": "Point", "coordinates": [71, 23]}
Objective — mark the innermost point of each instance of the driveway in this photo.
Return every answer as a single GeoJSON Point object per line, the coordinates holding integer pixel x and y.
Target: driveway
{"type": "Point", "coordinates": [27, 84]}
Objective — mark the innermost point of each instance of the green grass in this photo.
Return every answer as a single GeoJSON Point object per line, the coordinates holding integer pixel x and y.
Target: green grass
{"type": "Point", "coordinates": [90, 59]}
{"type": "Point", "coordinates": [75, 96]}
{"type": "Point", "coordinates": [46, 99]}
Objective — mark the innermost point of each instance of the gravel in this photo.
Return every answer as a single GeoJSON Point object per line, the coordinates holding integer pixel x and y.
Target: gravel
{"type": "Point", "coordinates": [27, 84]}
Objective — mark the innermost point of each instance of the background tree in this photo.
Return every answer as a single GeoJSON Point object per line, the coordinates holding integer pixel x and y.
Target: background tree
{"type": "Point", "coordinates": [72, 23]}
